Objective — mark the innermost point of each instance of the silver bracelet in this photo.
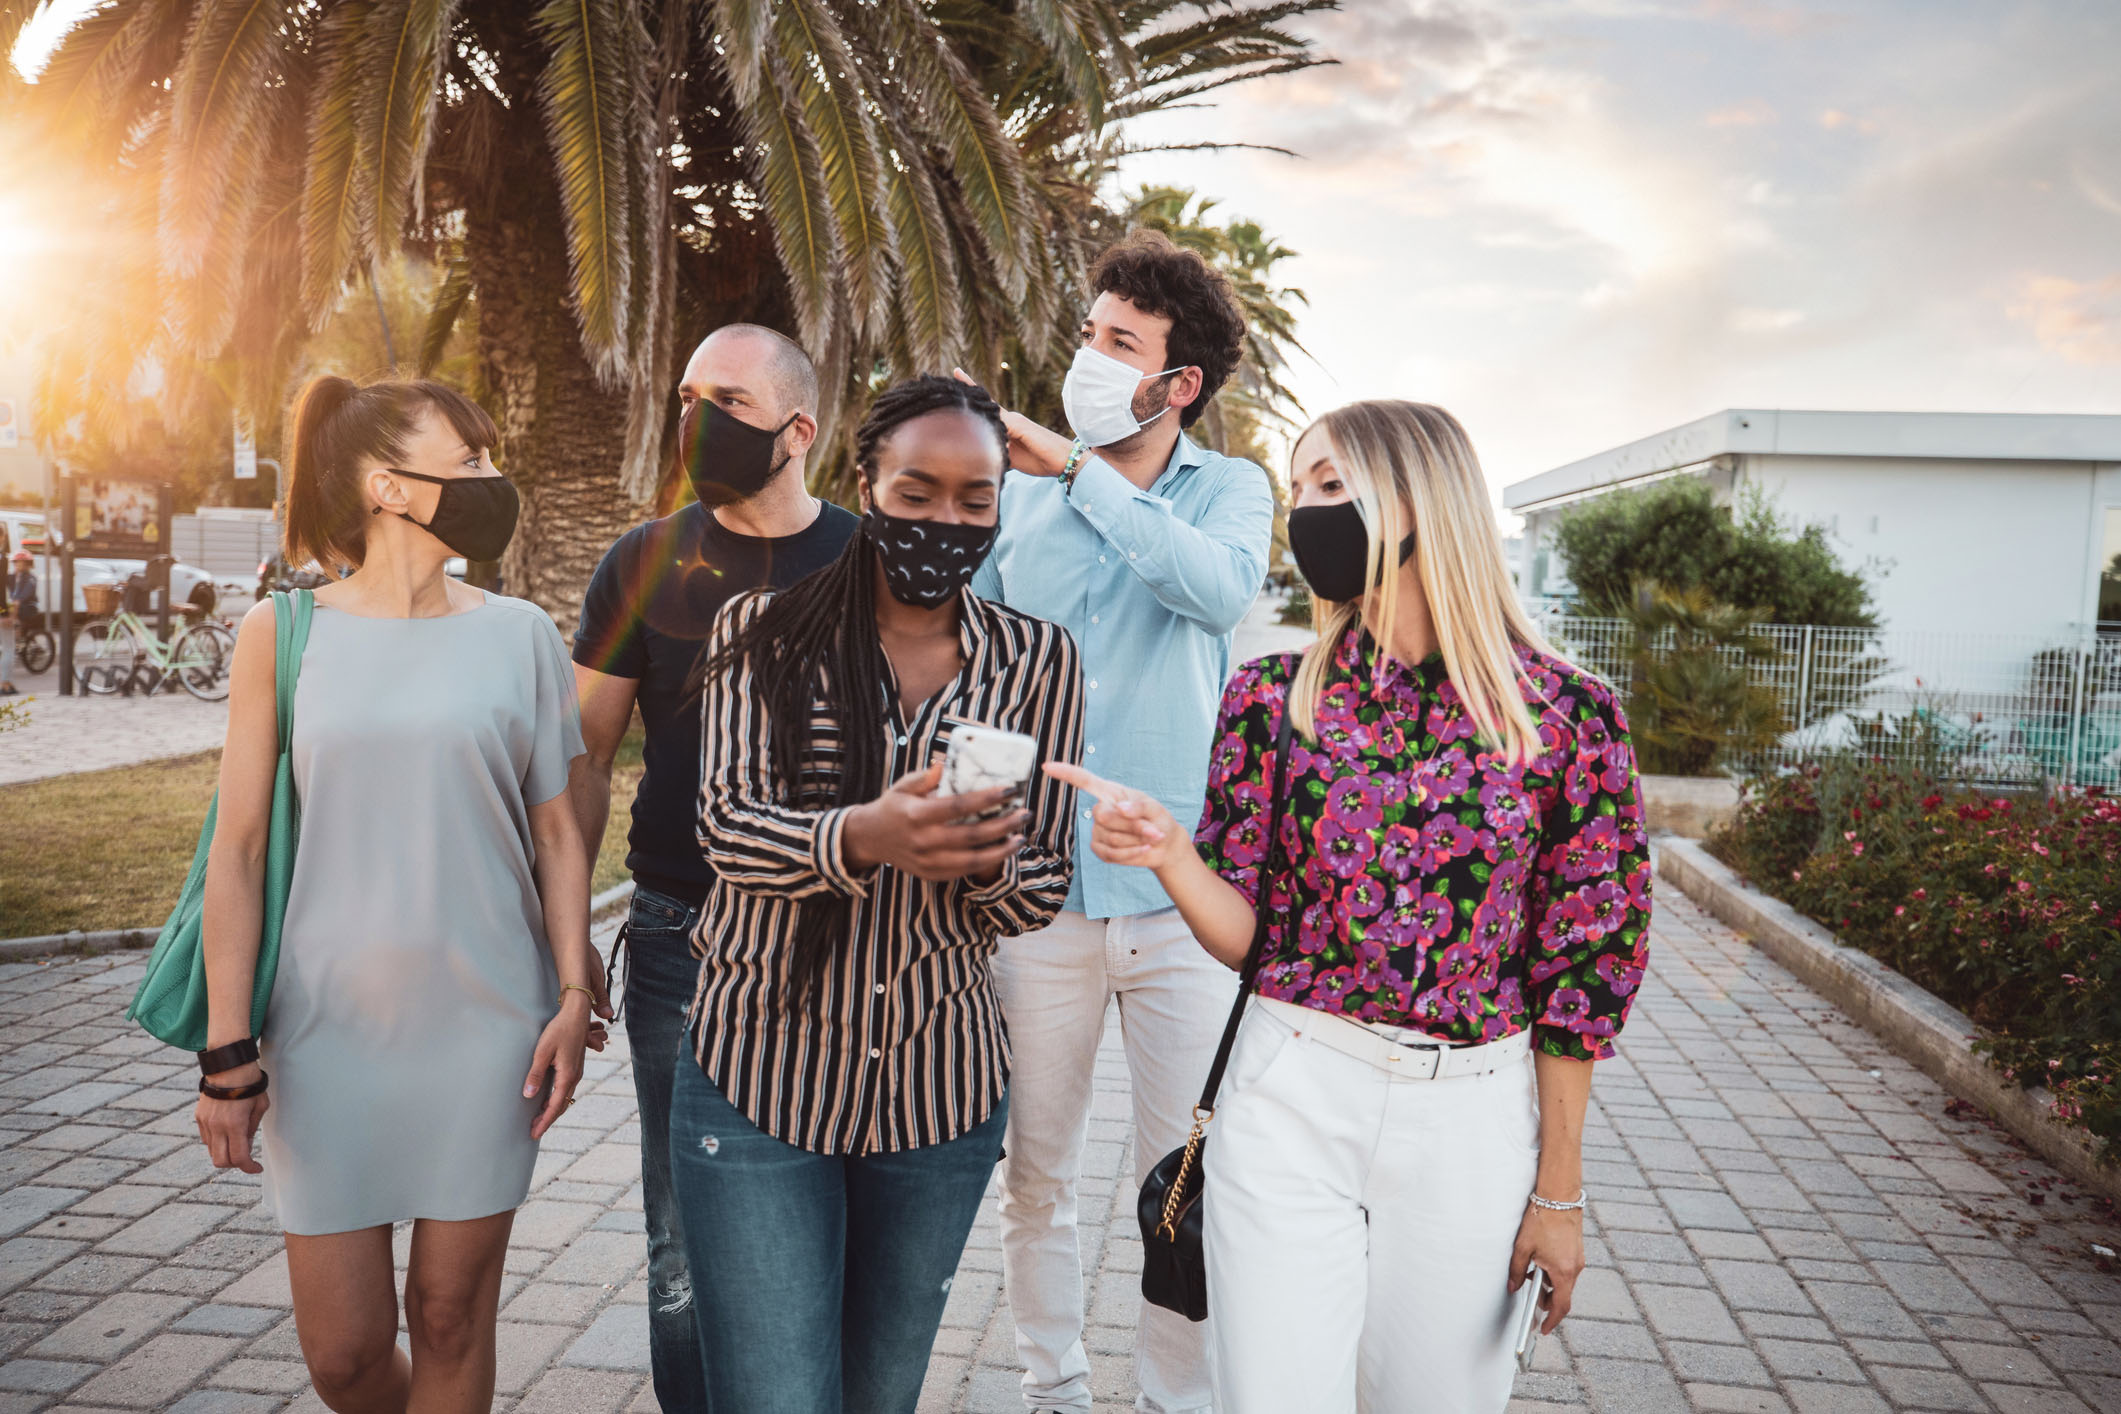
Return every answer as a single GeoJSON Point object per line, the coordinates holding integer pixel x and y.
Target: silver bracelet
{"type": "Point", "coordinates": [1553, 1207]}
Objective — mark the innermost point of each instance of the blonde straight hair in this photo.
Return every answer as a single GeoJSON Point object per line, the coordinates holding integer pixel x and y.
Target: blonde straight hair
{"type": "Point", "coordinates": [1399, 458]}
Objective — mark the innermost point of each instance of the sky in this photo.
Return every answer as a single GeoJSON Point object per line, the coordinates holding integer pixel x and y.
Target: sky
{"type": "Point", "coordinates": [1579, 222]}
{"type": "Point", "coordinates": [1575, 223]}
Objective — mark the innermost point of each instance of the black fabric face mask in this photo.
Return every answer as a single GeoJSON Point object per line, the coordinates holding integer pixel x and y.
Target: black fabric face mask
{"type": "Point", "coordinates": [1332, 546]}
{"type": "Point", "coordinates": [926, 562]}
{"type": "Point", "coordinates": [474, 516]}
{"type": "Point", "coordinates": [727, 459]}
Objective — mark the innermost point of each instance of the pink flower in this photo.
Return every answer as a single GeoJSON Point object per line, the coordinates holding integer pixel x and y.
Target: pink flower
{"type": "Point", "coordinates": [1345, 852]}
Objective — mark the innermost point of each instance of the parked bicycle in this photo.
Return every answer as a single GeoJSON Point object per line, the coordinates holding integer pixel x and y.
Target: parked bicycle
{"type": "Point", "coordinates": [35, 644]}
{"type": "Point", "coordinates": [122, 654]}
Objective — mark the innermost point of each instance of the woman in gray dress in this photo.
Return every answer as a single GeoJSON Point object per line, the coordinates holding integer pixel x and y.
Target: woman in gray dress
{"type": "Point", "coordinates": [436, 983]}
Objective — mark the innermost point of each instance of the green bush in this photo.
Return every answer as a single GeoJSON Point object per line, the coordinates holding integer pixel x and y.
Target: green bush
{"type": "Point", "coordinates": [1673, 533]}
{"type": "Point", "coordinates": [1692, 701]}
{"type": "Point", "coordinates": [2009, 908]}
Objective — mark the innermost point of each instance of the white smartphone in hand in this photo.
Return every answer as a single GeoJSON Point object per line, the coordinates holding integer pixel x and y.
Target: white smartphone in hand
{"type": "Point", "coordinates": [1527, 1314]}
{"type": "Point", "coordinates": [987, 758]}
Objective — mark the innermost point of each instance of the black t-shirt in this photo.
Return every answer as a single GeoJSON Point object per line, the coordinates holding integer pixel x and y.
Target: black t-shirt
{"type": "Point", "coordinates": [649, 608]}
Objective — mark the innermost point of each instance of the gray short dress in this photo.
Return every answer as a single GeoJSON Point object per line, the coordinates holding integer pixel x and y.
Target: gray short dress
{"type": "Point", "coordinates": [415, 976]}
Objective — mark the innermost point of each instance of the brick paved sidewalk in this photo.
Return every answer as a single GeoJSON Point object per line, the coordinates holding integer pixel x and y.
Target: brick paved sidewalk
{"type": "Point", "coordinates": [1786, 1218]}
{"type": "Point", "coordinates": [84, 733]}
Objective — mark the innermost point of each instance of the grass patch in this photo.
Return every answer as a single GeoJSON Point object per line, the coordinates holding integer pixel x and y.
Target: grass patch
{"type": "Point", "coordinates": [108, 849]}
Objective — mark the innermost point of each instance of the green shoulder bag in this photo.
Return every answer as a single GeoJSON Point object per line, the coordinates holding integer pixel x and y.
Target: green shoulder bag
{"type": "Point", "coordinates": [171, 1002]}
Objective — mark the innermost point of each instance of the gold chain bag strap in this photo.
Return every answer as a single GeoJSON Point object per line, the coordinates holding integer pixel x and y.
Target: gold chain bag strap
{"type": "Point", "coordinates": [1174, 1273]}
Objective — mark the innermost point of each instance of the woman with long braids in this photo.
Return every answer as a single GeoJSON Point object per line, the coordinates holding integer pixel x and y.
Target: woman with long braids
{"type": "Point", "coordinates": [830, 1148]}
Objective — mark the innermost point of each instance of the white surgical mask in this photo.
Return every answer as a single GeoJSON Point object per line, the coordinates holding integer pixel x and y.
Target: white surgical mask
{"type": "Point", "coordinates": [1098, 396]}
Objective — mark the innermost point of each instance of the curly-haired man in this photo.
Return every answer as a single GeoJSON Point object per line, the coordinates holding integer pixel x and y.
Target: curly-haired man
{"type": "Point", "coordinates": [1149, 549]}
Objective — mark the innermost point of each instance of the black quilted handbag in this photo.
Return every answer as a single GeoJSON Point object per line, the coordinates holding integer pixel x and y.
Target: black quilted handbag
{"type": "Point", "coordinates": [1174, 1272]}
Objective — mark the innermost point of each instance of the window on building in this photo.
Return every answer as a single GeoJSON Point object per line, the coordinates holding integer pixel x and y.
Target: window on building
{"type": "Point", "coordinates": [2110, 570]}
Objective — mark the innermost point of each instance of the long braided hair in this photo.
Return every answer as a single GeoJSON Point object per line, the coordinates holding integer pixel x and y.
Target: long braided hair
{"type": "Point", "coordinates": [817, 641]}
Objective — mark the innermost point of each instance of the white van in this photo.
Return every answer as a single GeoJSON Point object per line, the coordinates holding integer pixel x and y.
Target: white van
{"type": "Point", "coordinates": [24, 530]}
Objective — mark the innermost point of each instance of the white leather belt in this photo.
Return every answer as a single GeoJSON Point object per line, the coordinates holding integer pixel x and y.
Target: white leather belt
{"type": "Point", "coordinates": [1420, 1059]}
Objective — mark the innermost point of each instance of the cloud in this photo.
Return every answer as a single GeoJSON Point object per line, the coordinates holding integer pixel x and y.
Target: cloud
{"type": "Point", "coordinates": [2079, 321]}
{"type": "Point", "coordinates": [1752, 113]}
{"type": "Point", "coordinates": [1765, 321]}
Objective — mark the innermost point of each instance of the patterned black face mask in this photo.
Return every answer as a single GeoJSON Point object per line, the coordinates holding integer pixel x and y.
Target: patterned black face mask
{"type": "Point", "coordinates": [926, 561]}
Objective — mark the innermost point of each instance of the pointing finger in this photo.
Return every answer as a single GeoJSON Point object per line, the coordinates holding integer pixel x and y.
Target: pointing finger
{"type": "Point", "coordinates": [1108, 792]}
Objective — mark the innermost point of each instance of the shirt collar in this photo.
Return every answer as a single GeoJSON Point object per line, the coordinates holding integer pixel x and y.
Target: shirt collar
{"type": "Point", "coordinates": [1368, 666]}
{"type": "Point", "coordinates": [1185, 455]}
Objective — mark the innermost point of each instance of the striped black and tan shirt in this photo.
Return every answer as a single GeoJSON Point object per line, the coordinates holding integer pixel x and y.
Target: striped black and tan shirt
{"type": "Point", "coordinates": [902, 1044]}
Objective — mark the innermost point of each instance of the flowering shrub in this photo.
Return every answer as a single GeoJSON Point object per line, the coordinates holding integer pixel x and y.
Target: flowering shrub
{"type": "Point", "coordinates": [2007, 907]}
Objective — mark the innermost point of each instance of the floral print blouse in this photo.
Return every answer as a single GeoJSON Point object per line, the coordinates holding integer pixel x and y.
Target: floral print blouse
{"type": "Point", "coordinates": [1425, 882]}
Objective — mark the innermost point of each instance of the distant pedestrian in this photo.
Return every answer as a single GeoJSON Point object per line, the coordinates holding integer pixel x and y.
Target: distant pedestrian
{"type": "Point", "coordinates": [436, 982]}
{"type": "Point", "coordinates": [18, 615]}
{"type": "Point", "coordinates": [750, 417]}
{"type": "Point", "coordinates": [1456, 904]}
{"type": "Point", "coordinates": [841, 1111]}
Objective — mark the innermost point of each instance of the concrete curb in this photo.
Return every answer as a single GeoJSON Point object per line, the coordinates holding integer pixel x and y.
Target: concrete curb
{"type": "Point", "coordinates": [1917, 1024]}
{"type": "Point", "coordinates": [128, 939]}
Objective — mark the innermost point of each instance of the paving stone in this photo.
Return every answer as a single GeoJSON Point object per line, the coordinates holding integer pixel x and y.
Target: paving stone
{"type": "Point", "coordinates": [1928, 1389]}
{"type": "Point", "coordinates": [1729, 1399]}
{"type": "Point", "coordinates": [1862, 1310]}
{"type": "Point", "coordinates": [157, 1374]}
{"type": "Point", "coordinates": [1685, 1313]}
{"type": "Point", "coordinates": [169, 1229]}
{"type": "Point", "coordinates": [1614, 1339]}
{"type": "Point", "coordinates": [31, 1204]}
{"type": "Point", "coordinates": [2006, 1364]}
{"type": "Point", "coordinates": [226, 1320]}
{"type": "Point", "coordinates": [2030, 1399]}
{"type": "Point", "coordinates": [568, 1391]}
{"type": "Point", "coordinates": [1630, 1385]}
{"type": "Point", "coordinates": [1809, 1398]}
{"type": "Point", "coordinates": [1797, 1359]}
{"type": "Point", "coordinates": [1717, 1364]}
{"type": "Point", "coordinates": [223, 1401]}
{"type": "Point", "coordinates": [111, 1327]}
{"type": "Point", "coordinates": [618, 1340]}
{"type": "Point", "coordinates": [268, 1376]}
{"type": "Point", "coordinates": [43, 1376]}
{"type": "Point", "coordinates": [96, 1273]}
{"type": "Point", "coordinates": [1758, 1286]}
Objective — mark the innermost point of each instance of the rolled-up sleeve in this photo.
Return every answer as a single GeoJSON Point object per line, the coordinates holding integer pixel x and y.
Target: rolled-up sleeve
{"type": "Point", "coordinates": [1208, 571]}
{"type": "Point", "coordinates": [755, 841]}
{"type": "Point", "coordinates": [1032, 886]}
{"type": "Point", "coordinates": [1591, 896]}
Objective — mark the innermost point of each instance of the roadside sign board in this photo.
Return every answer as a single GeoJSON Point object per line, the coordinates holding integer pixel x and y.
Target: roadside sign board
{"type": "Point", "coordinates": [246, 450]}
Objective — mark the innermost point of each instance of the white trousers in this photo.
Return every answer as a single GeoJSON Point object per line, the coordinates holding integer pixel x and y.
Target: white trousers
{"type": "Point", "coordinates": [1359, 1227]}
{"type": "Point", "coordinates": [1055, 986]}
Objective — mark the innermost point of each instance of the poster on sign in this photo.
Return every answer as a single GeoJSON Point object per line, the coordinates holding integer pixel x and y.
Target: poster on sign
{"type": "Point", "coordinates": [117, 517]}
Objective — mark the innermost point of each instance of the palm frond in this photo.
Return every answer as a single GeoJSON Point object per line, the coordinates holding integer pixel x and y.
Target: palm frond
{"type": "Point", "coordinates": [742, 28]}
{"type": "Point", "coordinates": [586, 92]}
{"type": "Point", "coordinates": [338, 189]}
{"type": "Point", "coordinates": [930, 312]}
{"type": "Point", "coordinates": [98, 59]}
{"type": "Point", "coordinates": [814, 55]}
{"type": "Point", "coordinates": [987, 165]}
{"type": "Point", "coordinates": [452, 293]}
{"type": "Point", "coordinates": [404, 59]}
{"type": "Point", "coordinates": [219, 94]}
{"type": "Point", "coordinates": [1085, 41]}
{"type": "Point", "coordinates": [791, 184]}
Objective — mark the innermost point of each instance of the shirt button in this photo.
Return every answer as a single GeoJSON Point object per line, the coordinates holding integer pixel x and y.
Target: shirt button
{"type": "Point", "coordinates": [1100, 559]}
{"type": "Point", "coordinates": [1093, 686]}
{"type": "Point", "coordinates": [1132, 556]}
{"type": "Point", "coordinates": [1091, 750]}
{"type": "Point", "coordinates": [880, 989]}
{"type": "Point", "coordinates": [1093, 618]}
{"type": "Point", "coordinates": [875, 1054]}
{"type": "Point", "coordinates": [1086, 814]}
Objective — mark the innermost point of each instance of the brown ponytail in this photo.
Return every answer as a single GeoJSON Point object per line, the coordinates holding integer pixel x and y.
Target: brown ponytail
{"type": "Point", "coordinates": [337, 427]}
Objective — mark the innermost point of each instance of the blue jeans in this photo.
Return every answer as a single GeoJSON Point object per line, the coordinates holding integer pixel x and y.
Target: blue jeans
{"type": "Point", "coordinates": [821, 1278]}
{"type": "Point", "coordinates": [660, 973]}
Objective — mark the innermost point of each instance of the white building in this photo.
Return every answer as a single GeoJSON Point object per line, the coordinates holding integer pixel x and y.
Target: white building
{"type": "Point", "coordinates": [22, 466]}
{"type": "Point", "coordinates": [1970, 522]}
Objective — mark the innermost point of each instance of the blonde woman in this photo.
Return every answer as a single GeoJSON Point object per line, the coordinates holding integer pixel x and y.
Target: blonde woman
{"type": "Point", "coordinates": [1456, 916]}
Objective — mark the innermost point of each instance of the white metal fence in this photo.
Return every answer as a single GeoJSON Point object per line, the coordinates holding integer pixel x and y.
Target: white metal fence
{"type": "Point", "coordinates": [2009, 708]}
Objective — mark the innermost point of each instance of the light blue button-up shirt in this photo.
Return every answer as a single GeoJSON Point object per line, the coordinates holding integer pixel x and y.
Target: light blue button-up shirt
{"type": "Point", "coordinates": [1151, 584]}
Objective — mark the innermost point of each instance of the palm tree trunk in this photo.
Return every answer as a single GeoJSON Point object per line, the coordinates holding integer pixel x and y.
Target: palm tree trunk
{"type": "Point", "coordinates": [562, 434]}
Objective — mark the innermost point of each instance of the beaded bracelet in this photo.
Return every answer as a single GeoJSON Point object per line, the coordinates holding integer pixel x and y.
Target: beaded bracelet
{"type": "Point", "coordinates": [1553, 1207]}
{"type": "Point", "coordinates": [1074, 464]}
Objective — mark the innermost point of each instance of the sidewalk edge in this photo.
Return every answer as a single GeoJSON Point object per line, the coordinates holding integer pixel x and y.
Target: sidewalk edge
{"type": "Point", "coordinates": [1921, 1026]}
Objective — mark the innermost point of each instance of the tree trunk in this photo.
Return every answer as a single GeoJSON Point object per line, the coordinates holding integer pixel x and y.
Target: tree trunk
{"type": "Point", "coordinates": [562, 434]}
